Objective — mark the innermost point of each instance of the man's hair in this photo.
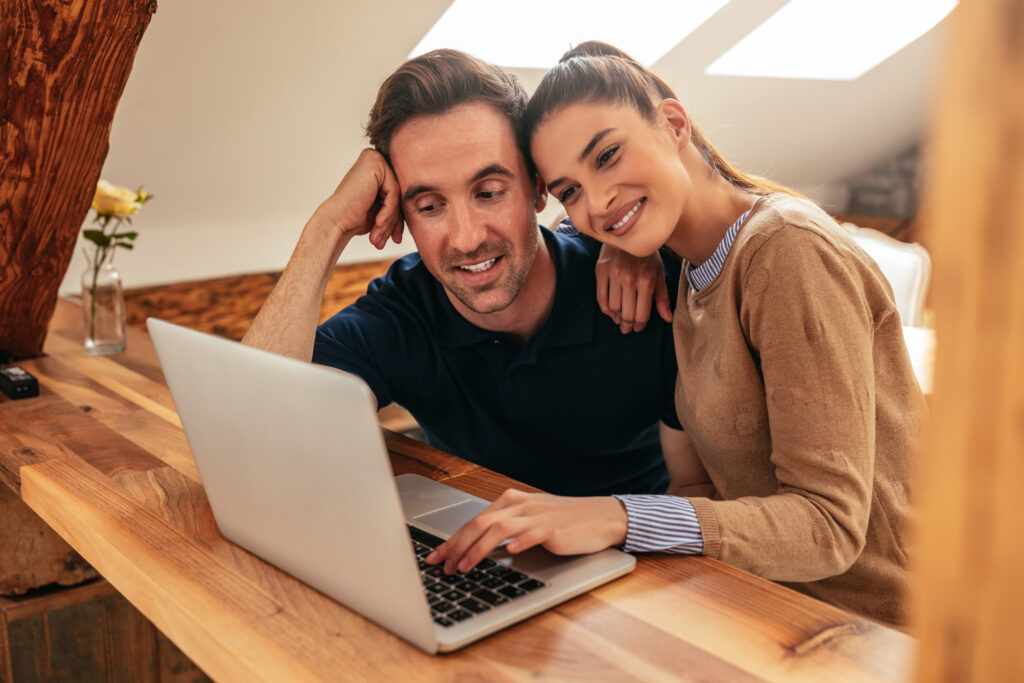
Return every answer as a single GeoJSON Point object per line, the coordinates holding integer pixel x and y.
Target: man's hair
{"type": "Point", "coordinates": [437, 82]}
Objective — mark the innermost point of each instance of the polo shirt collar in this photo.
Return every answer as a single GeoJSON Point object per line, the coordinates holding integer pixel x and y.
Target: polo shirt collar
{"type": "Point", "coordinates": [570, 321]}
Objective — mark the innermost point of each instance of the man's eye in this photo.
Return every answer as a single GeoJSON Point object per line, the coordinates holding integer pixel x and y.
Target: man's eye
{"type": "Point", "coordinates": [433, 207]}
{"type": "Point", "coordinates": [567, 194]}
{"type": "Point", "coordinates": [490, 194]}
{"type": "Point", "coordinates": [606, 156]}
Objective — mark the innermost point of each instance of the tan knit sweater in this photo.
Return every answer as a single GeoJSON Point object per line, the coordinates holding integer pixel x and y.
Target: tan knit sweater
{"type": "Point", "coordinates": [797, 392]}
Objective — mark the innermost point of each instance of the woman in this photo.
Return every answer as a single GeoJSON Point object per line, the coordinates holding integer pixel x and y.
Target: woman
{"type": "Point", "coordinates": [795, 387]}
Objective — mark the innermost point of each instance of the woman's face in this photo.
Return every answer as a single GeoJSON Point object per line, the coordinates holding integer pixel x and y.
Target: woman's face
{"type": "Point", "coordinates": [618, 175]}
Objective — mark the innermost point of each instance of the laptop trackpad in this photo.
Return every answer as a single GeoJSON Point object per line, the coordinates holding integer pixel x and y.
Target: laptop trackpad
{"type": "Point", "coordinates": [447, 521]}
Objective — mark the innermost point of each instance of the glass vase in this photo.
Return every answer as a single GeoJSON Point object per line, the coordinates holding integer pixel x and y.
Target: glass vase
{"type": "Point", "coordinates": [103, 305]}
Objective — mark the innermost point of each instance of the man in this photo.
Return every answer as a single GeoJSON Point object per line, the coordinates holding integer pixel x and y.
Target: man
{"type": "Point", "coordinates": [490, 335]}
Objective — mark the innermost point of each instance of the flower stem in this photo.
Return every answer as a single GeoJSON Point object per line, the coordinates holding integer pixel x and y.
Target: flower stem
{"type": "Point", "coordinates": [100, 255]}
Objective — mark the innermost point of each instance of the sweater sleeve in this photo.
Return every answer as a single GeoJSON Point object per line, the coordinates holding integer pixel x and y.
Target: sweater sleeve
{"type": "Point", "coordinates": [810, 329]}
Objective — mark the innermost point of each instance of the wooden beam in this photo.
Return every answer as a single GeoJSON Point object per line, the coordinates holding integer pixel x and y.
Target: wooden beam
{"type": "Point", "coordinates": [969, 596]}
{"type": "Point", "coordinates": [66, 65]}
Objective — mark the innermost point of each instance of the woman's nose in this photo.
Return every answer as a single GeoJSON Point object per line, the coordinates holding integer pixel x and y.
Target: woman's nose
{"type": "Point", "coordinates": [600, 199]}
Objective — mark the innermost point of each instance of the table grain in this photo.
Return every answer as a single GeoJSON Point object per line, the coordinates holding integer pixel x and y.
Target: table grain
{"type": "Point", "coordinates": [100, 455]}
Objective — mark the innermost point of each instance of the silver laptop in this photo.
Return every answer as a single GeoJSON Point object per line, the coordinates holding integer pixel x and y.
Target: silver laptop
{"type": "Point", "coordinates": [295, 468]}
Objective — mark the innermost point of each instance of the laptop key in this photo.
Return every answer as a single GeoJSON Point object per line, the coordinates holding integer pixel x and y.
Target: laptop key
{"type": "Point", "coordinates": [459, 615]}
{"type": "Point", "coordinates": [452, 595]}
{"type": "Point", "coordinates": [443, 621]}
{"type": "Point", "coordinates": [466, 586]}
{"type": "Point", "coordinates": [443, 606]}
{"type": "Point", "coordinates": [532, 585]}
{"type": "Point", "coordinates": [489, 597]}
{"type": "Point", "coordinates": [476, 575]}
{"type": "Point", "coordinates": [474, 606]}
{"type": "Point", "coordinates": [511, 591]}
{"type": "Point", "coordinates": [436, 587]}
{"type": "Point", "coordinates": [486, 563]}
{"type": "Point", "coordinates": [493, 583]}
{"type": "Point", "coordinates": [435, 570]}
{"type": "Point", "coordinates": [452, 579]}
{"type": "Point", "coordinates": [498, 570]}
{"type": "Point", "coordinates": [423, 537]}
{"type": "Point", "coordinates": [515, 577]}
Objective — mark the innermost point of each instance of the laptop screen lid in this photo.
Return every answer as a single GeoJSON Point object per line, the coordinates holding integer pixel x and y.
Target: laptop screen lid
{"type": "Point", "coordinates": [295, 469]}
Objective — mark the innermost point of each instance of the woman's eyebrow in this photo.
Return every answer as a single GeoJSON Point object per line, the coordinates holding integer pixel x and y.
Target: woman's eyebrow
{"type": "Point", "coordinates": [583, 155]}
{"type": "Point", "coordinates": [593, 143]}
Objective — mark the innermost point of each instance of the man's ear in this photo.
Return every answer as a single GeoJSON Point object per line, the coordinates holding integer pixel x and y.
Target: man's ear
{"type": "Point", "coordinates": [677, 119]}
{"type": "Point", "coordinates": [542, 194]}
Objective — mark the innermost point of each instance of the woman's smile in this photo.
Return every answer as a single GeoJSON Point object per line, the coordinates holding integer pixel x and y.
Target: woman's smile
{"type": "Point", "coordinates": [624, 224]}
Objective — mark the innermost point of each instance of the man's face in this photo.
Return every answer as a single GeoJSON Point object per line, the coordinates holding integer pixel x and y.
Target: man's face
{"type": "Point", "coordinates": [469, 203]}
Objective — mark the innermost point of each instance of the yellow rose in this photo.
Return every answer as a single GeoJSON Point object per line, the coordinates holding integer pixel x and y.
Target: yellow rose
{"type": "Point", "coordinates": [111, 200]}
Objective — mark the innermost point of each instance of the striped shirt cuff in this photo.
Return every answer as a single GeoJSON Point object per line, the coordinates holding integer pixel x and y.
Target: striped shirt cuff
{"type": "Point", "coordinates": [661, 524]}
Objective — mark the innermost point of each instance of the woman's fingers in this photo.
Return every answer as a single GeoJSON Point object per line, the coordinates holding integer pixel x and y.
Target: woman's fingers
{"type": "Point", "coordinates": [615, 303]}
{"type": "Point", "coordinates": [644, 294]}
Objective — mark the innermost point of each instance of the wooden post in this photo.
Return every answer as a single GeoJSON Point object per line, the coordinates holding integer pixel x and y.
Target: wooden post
{"type": "Point", "coordinates": [67, 63]}
{"type": "Point", "coordinates": [969, 588]}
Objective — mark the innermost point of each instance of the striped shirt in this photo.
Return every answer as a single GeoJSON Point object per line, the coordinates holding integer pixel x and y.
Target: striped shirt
{"type": "Point", "coordinates": [668, 524]}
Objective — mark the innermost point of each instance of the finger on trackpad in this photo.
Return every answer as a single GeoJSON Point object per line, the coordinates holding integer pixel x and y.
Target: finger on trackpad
{"type": "Point", "coordinates": [448, 520]}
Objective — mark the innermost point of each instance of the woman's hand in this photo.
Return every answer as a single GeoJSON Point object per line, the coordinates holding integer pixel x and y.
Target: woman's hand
{"type": "Point", "coordinates": [626, 285]}
{"type": "Point", "coordinates": [563, 525]}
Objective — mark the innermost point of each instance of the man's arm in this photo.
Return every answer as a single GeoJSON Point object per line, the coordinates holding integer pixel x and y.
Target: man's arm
{"type": "Point", "coordinates": [366, 202]}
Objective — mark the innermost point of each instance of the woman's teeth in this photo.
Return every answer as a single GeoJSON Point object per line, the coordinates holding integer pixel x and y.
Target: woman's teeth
{"type": "Point", "coordinates": [480, 267]}
{"type": "Point", "coordinates": [625, 219]}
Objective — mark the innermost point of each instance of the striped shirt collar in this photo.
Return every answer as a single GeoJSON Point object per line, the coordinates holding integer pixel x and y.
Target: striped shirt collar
{"type": "Point", "coordinates": [704, 274]}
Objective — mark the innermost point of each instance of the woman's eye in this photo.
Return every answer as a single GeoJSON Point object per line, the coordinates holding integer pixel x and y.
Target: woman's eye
{"type": "Point", "coordinates": [606, 156]}
{"type": "Point", "coordinates": [567, 194]}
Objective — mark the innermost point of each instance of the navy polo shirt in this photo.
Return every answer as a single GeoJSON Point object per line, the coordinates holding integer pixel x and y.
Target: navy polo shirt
{"type": "Point", "coordinates": [574, 411]}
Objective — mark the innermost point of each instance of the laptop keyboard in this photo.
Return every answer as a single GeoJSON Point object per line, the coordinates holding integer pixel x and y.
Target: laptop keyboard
{"type": "Point", "coordinates": [457, 597]}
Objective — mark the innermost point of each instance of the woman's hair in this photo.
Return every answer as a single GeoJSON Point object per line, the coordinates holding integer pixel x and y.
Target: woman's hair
{"type": "Point", "coordinates": [598, 72]}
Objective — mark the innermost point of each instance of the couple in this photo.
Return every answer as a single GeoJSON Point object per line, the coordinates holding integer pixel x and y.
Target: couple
{"type": "Point", "coordinates": [799, 404]}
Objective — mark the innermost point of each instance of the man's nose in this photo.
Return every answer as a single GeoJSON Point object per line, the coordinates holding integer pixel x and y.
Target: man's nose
{"type": "Point", "coordinates": [465, 232]}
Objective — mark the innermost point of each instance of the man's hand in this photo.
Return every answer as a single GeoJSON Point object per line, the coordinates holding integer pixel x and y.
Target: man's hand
{"type": "Point", "coordinates": [563, 525]}
{"type": "Point", "coordinates": [626, 285]}
{"type": "Point", "coordinates": [367, 201]}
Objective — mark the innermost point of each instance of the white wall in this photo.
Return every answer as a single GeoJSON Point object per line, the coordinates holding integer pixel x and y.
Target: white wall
{"type": "Point", "coordinates": [242, 116]}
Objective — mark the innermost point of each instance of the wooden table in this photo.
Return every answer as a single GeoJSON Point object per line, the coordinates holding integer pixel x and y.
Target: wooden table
{"type": "Point", "coordinates": [101, 457]}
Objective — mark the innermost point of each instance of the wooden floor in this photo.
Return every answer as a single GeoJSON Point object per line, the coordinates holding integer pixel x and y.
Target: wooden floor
{"type": "Point", "coordinates": [226, 306]}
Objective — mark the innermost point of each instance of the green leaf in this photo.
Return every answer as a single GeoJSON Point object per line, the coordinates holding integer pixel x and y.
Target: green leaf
{"type": "Point", "coordinates": [96, 237]}
{"type": "Point", "coordinates": [126, 245]}
{"type": "Point", "coordinates": [125, 235]}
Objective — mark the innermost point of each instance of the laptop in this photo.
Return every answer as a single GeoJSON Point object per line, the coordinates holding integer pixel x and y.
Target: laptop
{"type": "Point", "coordinates": [295, 468]}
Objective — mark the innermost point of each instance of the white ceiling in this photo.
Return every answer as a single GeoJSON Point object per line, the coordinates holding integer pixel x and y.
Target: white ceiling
{"type": "Point", "coordinates": [242, 116]}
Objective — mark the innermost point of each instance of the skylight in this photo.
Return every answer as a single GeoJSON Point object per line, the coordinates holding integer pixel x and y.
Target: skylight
{"type": "Point", "coordinates": [534, 34]}
{"type": "Point", "coordinates": [834, 40]}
